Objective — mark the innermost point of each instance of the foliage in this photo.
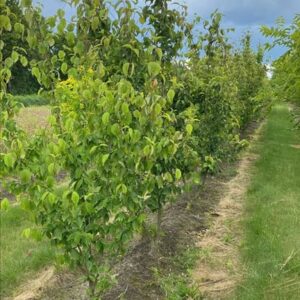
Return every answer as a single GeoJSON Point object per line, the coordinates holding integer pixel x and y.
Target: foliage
{"type": "Point", "coordinates": [131, 122]}
{"type": "Point", "coordinates": [286, 68]}
{"type": "Point", "coordinates": [221, 87]}
{"type": "Point", "coordinates": [22, 80]}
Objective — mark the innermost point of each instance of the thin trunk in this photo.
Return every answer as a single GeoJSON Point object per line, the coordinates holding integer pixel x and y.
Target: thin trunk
{"type": "Point", "coordinates": [155, 241]}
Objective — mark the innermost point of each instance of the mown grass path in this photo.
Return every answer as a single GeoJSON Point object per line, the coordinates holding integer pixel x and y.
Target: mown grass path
{"type": "Point", "coordinates": [20, 258]}
{"type": "Point", "coordinates": [271, 246]}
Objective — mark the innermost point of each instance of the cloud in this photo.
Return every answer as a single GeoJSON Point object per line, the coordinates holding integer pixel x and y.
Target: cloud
{"type": "Point", "coordinates": [246, 12]}
{"type": "Point", "coordinates": [247, 15]}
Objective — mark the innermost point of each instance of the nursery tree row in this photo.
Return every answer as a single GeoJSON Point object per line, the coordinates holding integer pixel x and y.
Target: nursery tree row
{"type": "Point", "coordinates": [144, 104]}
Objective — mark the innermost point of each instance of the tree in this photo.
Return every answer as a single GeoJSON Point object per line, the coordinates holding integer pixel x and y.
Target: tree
{"type": "Point", "coordinates": [22, 82]}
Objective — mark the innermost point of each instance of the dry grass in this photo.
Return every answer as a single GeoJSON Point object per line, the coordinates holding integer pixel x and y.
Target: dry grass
{"type": "Point", "coordinates": [33, 118]}
{"type": "Point", "coordinates": [33, 289]}
{"type": "Point", "coordinates": [219, 269]}
{"type": "Point", "coordinates": [295, 146]}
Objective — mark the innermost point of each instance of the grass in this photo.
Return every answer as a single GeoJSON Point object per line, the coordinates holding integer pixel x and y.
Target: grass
{"type": "Point", "coordinates": [33, 99]}
{"type": "Point", "coordinates": [177, 284]}
{"type": "Point", "coordinates": [32, 118]}
{"type": "Point", "coordinates": [271, 246]}
{"type": "Point", "coordinates": [20, 257]}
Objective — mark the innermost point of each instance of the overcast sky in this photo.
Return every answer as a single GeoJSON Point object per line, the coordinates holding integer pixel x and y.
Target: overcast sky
{"type": "Point", "coordinates": [243, 15]}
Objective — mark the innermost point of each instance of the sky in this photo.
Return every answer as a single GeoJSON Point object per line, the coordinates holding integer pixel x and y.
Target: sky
{"type": "Point", "coordinates": [243, 15]}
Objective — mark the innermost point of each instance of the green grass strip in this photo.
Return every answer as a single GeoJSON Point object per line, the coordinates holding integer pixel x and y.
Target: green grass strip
{"type": "Point", "coordinates": [20, 257]}
{"type": "Point", "coordinates": [271, 246]}
{"type": "Point", "coordinates": [32, 100]}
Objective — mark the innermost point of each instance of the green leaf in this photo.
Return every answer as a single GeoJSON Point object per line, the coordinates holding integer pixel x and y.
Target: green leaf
{"type": "Point", "coordinates": [51, 198]}
{"type": "Point", "coordinates": [115, 130]}
{"type": "Point", "coordinates": [105, 118]}
{"type": "Point", "coordinates": [4, 204]}
{"type": "Point", "coordinates": [9, 62]}
{"type": "Point", "coordinates": [171, 95]}
{"type": "Point", "coordinates": [95, 23]}
{"type": "Point", "coordinates": [15, 56]}
{"type": "Point", "coordinates": [122, 188]}
{"type": "Point", "coordinates": [125, 108]}
{"type": "Point", "coordinates": [51, 169]}
{"type": "Point", "coordinates": [177, 174]}
{"type": "Point", "coordinates": [72, 72]}
{"type": "Point", "coordinates": [51, 41]}
{"type": "Point", "coordinates": [189, 128]}
{"type": "Point", "coordinates": [19, 28]}
{"type": "Point", "coordinates": [87, 94]}
{"type": "Point", "coordinates": [61, 13]}
{"type": "Point", "coordinates": [93, 149]}
{"type": "Point", "coordinates": [104, 158]}
{"type": "Point", "coordinates": [157, 109]}
{"type": "Point", "coordinates": [125, 69]}
{"type": "Point", "coordinates": [61, 26]}
{"type": "Point", "coordinates": [26, 204]}
{"type": "Point", "coordinates": [159, 53]}
{"type": "Point", "coordinates": [5, 23]}
{"type": "Point", "coordinates": [26, 233]}
{"type": "Point", "coordinates": [25, 176]}
{"type": "Point", "coordinates": [24, 61]}
{"type": "Point", "coordinates": [64, 68]}
{"type": "Point", "coordinates": [61, 54]}
{"type": "Point", "coordinates": [9, 160]}
{"type": "Point", "coordinates": [136, 51]}
{"type": "Point", "coordinates": [27, 3]}
{"type": "Point", "coordinates": [142, 20]}
{"type": "Point", "coordinates": [79, 48]}
{"type": "Point", "coordinates": [54, 59]}
{"type": "Point", "coordinates": [147, 150]}
{"type": "Point", "coordinates": [153, 68]}
{"type": "Point", "coordinates": [169, 177]}
{"type": "Point", "coordinates": [51, 21]}
{"type": "Point", "coordinates": [75, 198]}
{"type": "Point", "coordinates": [36, 72]}
{"type": "Point", "coordinates": [69, 124]}
{"type": "Point", "coordinates": [70, 37]}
